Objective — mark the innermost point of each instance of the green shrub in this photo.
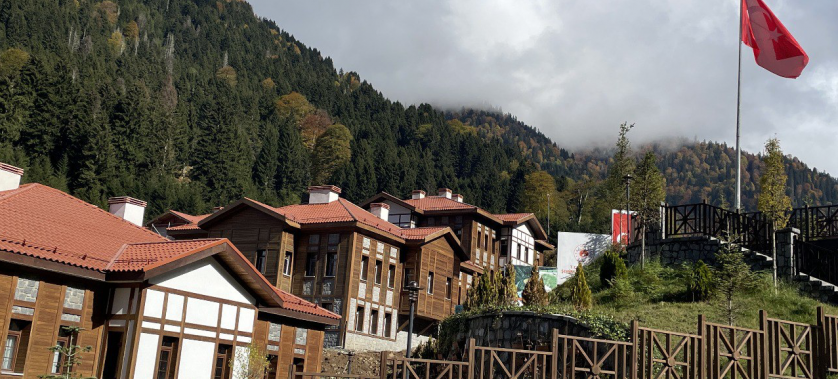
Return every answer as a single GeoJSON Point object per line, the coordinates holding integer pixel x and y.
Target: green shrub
{"type": "Point", "coordinates": [701, 283]}
{"type": "Point", "coordinates": [581, 294]}
{"type": "Point", "coordinates": [613, 267]}
{"type": "Point", "coordinates": [534, 294]}
{"type": "Point", "coordinates": [622, 292]}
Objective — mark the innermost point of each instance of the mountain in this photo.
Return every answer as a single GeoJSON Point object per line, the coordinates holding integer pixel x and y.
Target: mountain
{"type": "Point", "coordinates": [694, 170]}
{"type": "Point", "coordinates": [193, 103]}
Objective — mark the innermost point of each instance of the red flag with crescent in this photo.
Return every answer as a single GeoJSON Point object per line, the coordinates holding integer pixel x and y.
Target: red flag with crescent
{"type": "Point", "coordinates": [775, 49]}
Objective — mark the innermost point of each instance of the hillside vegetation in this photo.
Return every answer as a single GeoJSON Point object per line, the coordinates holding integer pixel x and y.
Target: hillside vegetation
{"type": "Point", "coordinates": [194, 103]}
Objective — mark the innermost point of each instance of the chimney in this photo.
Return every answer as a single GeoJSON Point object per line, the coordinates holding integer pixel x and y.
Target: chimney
{"type": "Point", "coordinates": [444, 192]}
{"type": "Point", "coordinates": [380, 210]}
{"type": "Point", "coordinates": [9, 177]}
{"type": "Point", "coordinates": [323, 194]}
{"type": "Point", "coordinates": [417, 194]}
{"type": "Point", "coordinates": [458, 197]}
{"type": "Point", "coordinates": [127, 208]}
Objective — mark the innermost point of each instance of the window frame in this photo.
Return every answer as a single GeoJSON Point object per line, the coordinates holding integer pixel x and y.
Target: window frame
{"type": "Point", "coordinates": [379, 272]}
{"type": "Point", "coordinates": [16, 334]}
{"type": "Point", "coordinates": [261, 261]}
{"type": "Point", "coordinates": [331, 264]}
{"type": "Point", "coordinates": [172, 357]}
{"type": "Point", "coordinates": [225, 359]}
{"type": "Point", "coordinates": [311, 264]}
{"type": "Point", "coordinates": [391, 276]}
{"type": "Point", "coordinates": [430, 283]}
{"type": "Point", "coordinates": [359, 319]}
{"type": "Point", "coordinates": [388, 320]}
{"type": "Point", "coordinates": [373, 322]}
{"type": "Point", "coordinates": [365, 268]}
{"type": "Point", "coordinates": [449, 284]}
{"type": "Point", "coordinates": [287, 263]}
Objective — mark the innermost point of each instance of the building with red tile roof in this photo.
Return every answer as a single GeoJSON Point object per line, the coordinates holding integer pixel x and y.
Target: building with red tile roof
{"type": "Point", "coordinates": [351, 260]}
{"type": "Point", "coordinates": [137, 296]}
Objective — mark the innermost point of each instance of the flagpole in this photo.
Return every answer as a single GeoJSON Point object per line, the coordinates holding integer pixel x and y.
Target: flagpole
{"type": "Point", "coordinates": [738, 102]}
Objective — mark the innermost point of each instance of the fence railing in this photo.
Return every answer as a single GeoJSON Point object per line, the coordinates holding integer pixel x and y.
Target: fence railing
{"type": "Point", "coordinates": [816, 261]}
{"type": "Point", "coordinates": [815, 222]}
{"type": "Point", "coordinates": [751, 230]}
{"type": "Point", "coordinates": [775, 349]}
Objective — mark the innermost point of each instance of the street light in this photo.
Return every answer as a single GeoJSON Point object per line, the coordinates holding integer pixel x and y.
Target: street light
{"type": "Point", "coordinates": [412, 290]}
{"type": "Point", "coordinates": [628, 179]}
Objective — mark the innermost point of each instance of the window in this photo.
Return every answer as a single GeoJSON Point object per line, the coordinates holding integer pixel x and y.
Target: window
{"type": "Point", "coordinates": [448, 288]}
{"type": "Point", "coordinates": [65, 338]}
{"type": "Point", "coordinates": [166, 360]}
{"type": "Point", "coordinates": [311, 264]}
{"type": "Point", "coordinates": [388, 320]}
{"type": "Point", "coordinates": [364, 268]}
{"type": "Point", "coordinates": [14, 347]}
{"type": "Point", "coordinates": [331, 264]}
{"type": "Point", "coordinates": [374, 322]}
{"type": "Point", "coordinates": [486, 241]}
{"type": "Point", "coordinates": [261, 260]}
{"type": "Point", "coordinates": [430, 283]}
{"type": "Point", "coordinates": [359, 319]}
{"type": "Point", "coordinates": [391, 276]}
{"type": "Point", "coordinates": [286, 264]}
{"type": "Point", "coordinates": [327, 306]}
{"type": "Point", "coordinates": [519, 256]}
{"type": "Point", "coordinates": [378, 271]}
{"type": "Point", "coordinates": [222, 362]}
{"type": "Point", "coordinates": [408, 276]}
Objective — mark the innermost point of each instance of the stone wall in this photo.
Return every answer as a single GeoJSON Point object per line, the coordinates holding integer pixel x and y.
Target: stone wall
{"type": "Point", "coordinates": [520, 330]}
{"type": "Point", "coordinates": [675, 251]}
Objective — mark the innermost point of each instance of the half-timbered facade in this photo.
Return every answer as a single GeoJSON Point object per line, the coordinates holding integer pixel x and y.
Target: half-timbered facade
{"type": "Point", "coordinates": [348, 260]}
{"type": "Point", "coordinates": [146, 307]}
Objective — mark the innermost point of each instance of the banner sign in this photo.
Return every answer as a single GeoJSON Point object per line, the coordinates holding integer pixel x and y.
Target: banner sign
{"type": "Point", "coordinates": [548, 276]}
{"type": "Point", "coordinates": [620, 226]}
{"type": "Point", "coordinates": [572, 248]}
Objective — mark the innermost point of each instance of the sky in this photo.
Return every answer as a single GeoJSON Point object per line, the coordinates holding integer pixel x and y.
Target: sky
{"type": "Point", "coordinates": [576, 69]}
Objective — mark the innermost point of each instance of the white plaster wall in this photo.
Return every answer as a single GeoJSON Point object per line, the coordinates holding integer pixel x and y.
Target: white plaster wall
{"type": "Point", "coordinates": [8, 180]}
{"type": "Point", "coordinates": [206, 277]}
{"type": "Point", "coordinates": [174, 308]}
{"type": "Point", "coordinates": [196, 359]}
{"type": "Point", "coordinates": [153, 304]}
{"type": "Point", "coordinates": [246, 318]}
{"type": "Point", "coordinates": [146, 356]}
{"type": "Point", "coordinates": [201, 312]}
{"type": "Point", "coordinates": [228, 316]}
{"type": "Point", "coordinates": [129, 212]}
{"type": "Point", "coordinates": [121, 298]}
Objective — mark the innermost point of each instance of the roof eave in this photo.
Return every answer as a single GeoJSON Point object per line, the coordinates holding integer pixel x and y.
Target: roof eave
{"type": "Point", "coordinates": [282, 312]}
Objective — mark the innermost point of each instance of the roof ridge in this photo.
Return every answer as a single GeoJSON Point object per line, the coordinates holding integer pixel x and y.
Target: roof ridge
{"type": "Point", "coordinates": [149, 232]}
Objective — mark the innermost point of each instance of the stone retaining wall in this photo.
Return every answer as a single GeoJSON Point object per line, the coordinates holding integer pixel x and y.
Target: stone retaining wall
{"type": "Point", "coordinates": [519, 330]}
{"type": "Point", "coordinates": [675, 251]}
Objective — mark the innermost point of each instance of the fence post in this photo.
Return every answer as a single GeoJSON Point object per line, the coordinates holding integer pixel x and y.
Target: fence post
{"type": "Point", "coordinates": [554, 356]}
{"type": "Point", "coordinates": [820, 356]}
{"type": "Point", "coordinates": [634, 350]}
{"type": "Point", "coordinates": [703, 361]}
{"type": "Point", "coordinates": [764, 363]}
{"type": "Point", "coordinates": [471, 345]}
{"type": "Point", "coordinates": [383, 370]}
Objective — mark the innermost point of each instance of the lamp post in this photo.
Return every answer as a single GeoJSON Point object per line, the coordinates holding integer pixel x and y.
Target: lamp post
{"type": "Point", "coordinates": [628, 179]}
{"type": "Point", "coordinates": [412, 290]}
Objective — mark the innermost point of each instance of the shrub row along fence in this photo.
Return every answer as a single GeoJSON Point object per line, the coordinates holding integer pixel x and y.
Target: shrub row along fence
{"type": "Point", "coordinates": [777, 349]}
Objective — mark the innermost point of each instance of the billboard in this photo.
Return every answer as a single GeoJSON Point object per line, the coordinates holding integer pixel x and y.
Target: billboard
{"type": "Point", "coordinates": [572, 248]}
{"type": "Point", "coordinates": [549, 277]}
{"type": "Point", "coordinates": [620, 226]}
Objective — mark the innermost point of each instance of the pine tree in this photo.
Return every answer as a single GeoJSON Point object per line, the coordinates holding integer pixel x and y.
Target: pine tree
{"type": "Point", "coordinates": [622, 164]}
{"type": "Point", "coordinates": [613, 267]}
{"type": "Point", "coordinates": [773, 201]}
{"type": "Point", "coordinates": [534, 294]}
{"type": "Point", "coordinates": [509, 289]}
{"type": "Point", "coordinates": [647, 193]}
{"type": "Point", "coordinates": [580, 294]}
{"type": "Point", "coordinates": [732, 276]}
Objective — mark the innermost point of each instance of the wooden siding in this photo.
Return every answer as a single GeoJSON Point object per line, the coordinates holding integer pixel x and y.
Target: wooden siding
{"type": "Point", "coordinates": [437, 257]}
{"type": "Point", "coordinates": [251, 230]}
{"type": "Point", "coordinates": [46, 323]}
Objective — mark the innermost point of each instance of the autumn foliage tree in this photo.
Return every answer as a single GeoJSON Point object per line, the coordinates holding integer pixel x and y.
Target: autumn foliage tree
{"type": "Point", "coordinates": [331, 151]}
{"type": "Point", "coordinates": [773, 201]}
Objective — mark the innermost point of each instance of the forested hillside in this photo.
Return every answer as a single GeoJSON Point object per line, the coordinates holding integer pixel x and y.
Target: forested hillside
{"type": "Point", "coordinates": [194, 103]}
{"type": "Point", "coordinates": [694, 170]}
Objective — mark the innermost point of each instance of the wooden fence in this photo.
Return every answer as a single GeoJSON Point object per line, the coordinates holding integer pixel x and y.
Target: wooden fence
{"type": "Point", "coordinates": [776, 349]}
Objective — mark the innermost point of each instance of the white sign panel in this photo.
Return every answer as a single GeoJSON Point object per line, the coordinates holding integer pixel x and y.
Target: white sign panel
{"type": "Point", "coordinates": [572, 248]}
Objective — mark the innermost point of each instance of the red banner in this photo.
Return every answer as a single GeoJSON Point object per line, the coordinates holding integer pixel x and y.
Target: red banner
{"type": "Point", "coordinates": [620, 226]}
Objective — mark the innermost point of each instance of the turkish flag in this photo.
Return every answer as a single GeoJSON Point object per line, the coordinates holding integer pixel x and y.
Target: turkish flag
{"type": "Point", "coordinates": [775, 49]}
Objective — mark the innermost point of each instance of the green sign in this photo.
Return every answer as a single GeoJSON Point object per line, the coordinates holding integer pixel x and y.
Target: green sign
{"type": "Point", "coordinates": [549, 276]}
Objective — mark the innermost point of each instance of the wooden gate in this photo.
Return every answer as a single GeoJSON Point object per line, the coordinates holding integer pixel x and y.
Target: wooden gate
{"type": "Point", "coordinates": [790, 349]}
{"type": "Point", "coordinates": [668, 355]}
{"type": "Point", "coordinates": [588, 358]}
{"type": "Point", "coordinates": [500, 363]}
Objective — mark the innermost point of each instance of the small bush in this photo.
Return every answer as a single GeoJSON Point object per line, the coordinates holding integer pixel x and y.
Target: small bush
{"type": "Point", "coordinates": [622, 292]}
{"type": "Point", "coordinates": [581, 294]}
{"type": "Point", "coordinates": [613, 267]}
{"type": "Point", "coordinates": [701, 283]}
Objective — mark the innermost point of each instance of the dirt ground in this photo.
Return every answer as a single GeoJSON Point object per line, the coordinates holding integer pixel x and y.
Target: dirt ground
{"type": "Point", "coordinates": [338, 361]}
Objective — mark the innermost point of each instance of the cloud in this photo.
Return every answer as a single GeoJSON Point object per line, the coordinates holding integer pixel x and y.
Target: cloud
{"type": "Point", "coordinates": [577, 69]}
